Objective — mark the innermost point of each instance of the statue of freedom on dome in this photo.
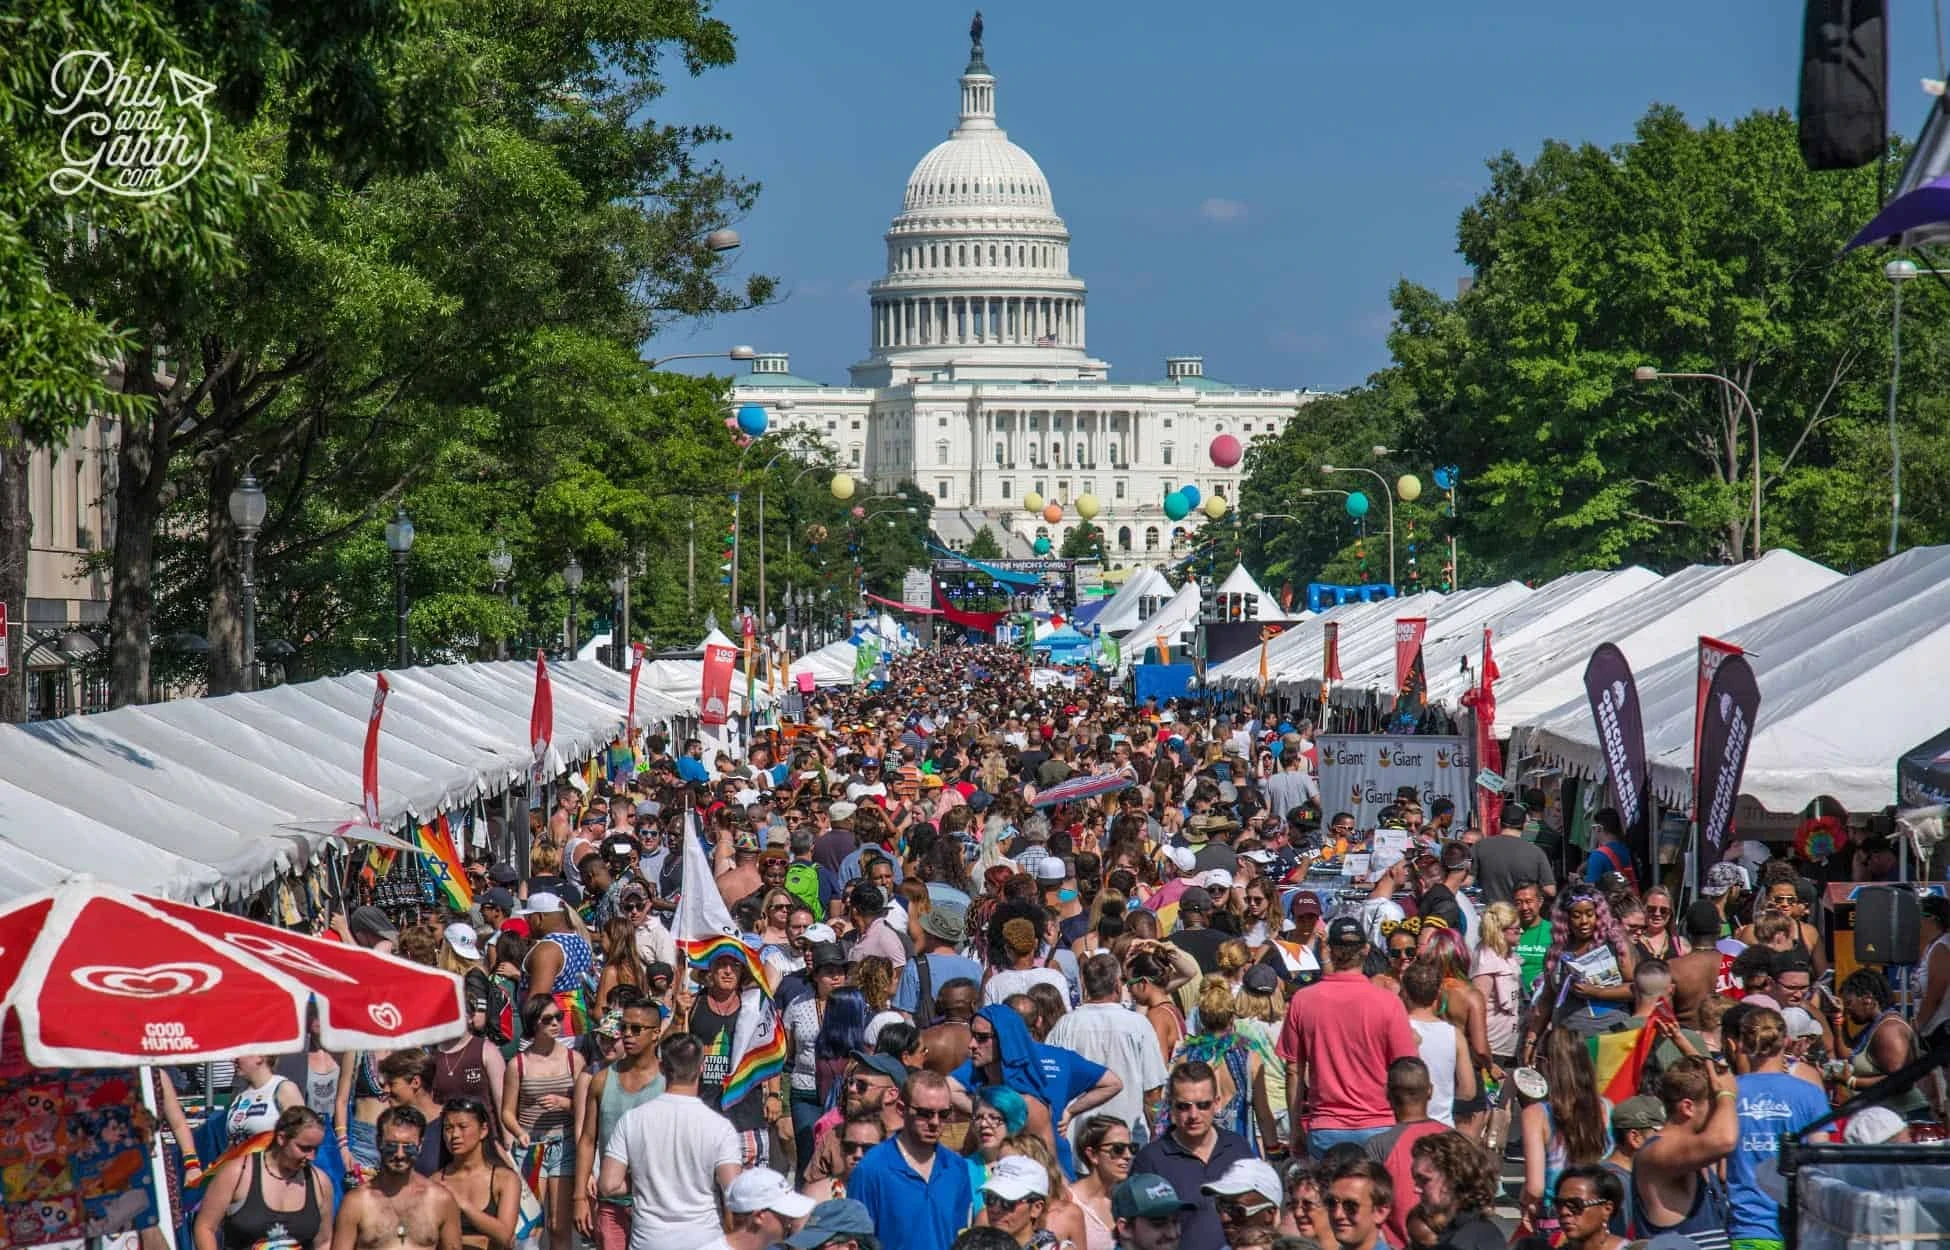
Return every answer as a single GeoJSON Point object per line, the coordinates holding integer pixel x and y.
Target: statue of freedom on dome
{"type": "Point", "coordinates": [975, 30]}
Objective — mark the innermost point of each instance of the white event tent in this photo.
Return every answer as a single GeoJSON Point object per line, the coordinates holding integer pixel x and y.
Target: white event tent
{"type": "Point", "coordinates": [1846, 676]}
{"type": "Point", "coordinates": [1124, 610]}
{"type": "Point", "coordinates": [830, 665]}
{"type": "Point", "coordinates": [205, 799]}
{"type": "Point", "coordinates": [1170, 620]}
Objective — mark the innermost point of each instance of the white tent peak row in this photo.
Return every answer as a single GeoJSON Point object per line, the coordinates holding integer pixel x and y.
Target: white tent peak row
{"type": "Point", "coordinates": [1125, 608]}
{"type": "Point", "coordinates": [1240, 582]}
{"type": "Point", "coordinates": [197, 799]}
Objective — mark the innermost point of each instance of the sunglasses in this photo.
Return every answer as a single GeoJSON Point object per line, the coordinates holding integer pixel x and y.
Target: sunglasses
{"type": "Point", "coordinates": [1401, 952]}
{"type": "Point", "coordinates": [394, 1149]}
{"type": "Point", "coordinates": [1578, 1206]}
{"type": "Point", "coordinates": [860, 1085]}
{"type": "Point", "coordinates": [857, 1147]}
{"type": "Point", "coordinates": [973, 1036]}
{"type": "Point", "coordinates": [1349, 1207]}
{"type": "Point", "coordinates": [927, 1113]}
{"type": "Point", "coordinates": [635, 905]}
{"type": "Point", "coordinates": [1117, 1149]}
{"type": "Point", "coordinates": [553, 1017]}
{"type": "Point", "coordinates": [997, 1203]}
{"type": "Point", "coordinates": [1185, 1105]}
{"type": "Point", "coordinates": [1658, 911]}
{"type": "Point", "coordinates": [634, 1029]}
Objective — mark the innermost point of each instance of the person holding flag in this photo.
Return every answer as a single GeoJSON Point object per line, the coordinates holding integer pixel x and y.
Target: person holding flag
{"type": "Point", "coordinates": [734, 1016]}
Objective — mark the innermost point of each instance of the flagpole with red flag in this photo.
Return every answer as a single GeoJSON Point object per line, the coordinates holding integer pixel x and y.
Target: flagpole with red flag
{"type": "Point", "coordinates": [541, 730]}
{"type": "Point", "coordinates": [636, 672]}
{"type": "Point", "coordinates": [369, 773]}
{"type": "Point", "coordinates": [1489, 753]}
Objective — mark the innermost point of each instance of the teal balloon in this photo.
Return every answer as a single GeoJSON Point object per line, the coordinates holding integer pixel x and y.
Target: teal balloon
{"type": "Point", "coordinates": [1042, 546]}
{"type": "Point", "coordinates": [1357, 504]}
{"type": "Point", "coordinates": [1190, 492]}
{"type": "Point", "coordinates": [1176, 505]}
{"type": "Point", "coordinates": [752, 420]}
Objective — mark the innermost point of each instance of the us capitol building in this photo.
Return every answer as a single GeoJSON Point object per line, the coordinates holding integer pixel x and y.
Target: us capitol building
{"type": "Point", "coordinates": [979, 386]}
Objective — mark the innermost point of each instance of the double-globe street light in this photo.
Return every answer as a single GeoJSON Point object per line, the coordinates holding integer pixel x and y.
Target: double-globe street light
{"type": "Point", "coordinates": [247, 509]}
{"type": "Point", "coordinates": [1387, 495]}
{"type": "Point", "coordinates": [572, 582]}
{"type": "Point", "coordinates": [399, 541]}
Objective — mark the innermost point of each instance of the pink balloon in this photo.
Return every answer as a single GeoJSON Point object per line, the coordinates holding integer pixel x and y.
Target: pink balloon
{"type": "Point", "coordinates": [1226, 451]}
{"type": "Point", "coordinates": [858, 512]}
{"type": "Point", "coordinates": [731, 423]}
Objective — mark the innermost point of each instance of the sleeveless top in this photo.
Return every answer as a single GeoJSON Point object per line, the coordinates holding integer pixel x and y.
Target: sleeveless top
{"type": "Point", "coordinates": [1926, 1027]}
{"type": "Point", "coordinates": [535, 1120]}
{"type": "Point", "coordinates": [1862, 1063]}
{"type": "Point", "coordinates": [365, 1077]}
{"type": "Point", "coordinates": [472, 1235]}
{"type": "Point", "coordinates": [253, 1112]}
{"type": "Point", "coordinates": [322, 1091]}
{"type": "Point", "coordinates": [1705, 1224]}
{"type": "Point", "coordinates": [251, 1224]}
{"type": "Point", "coordinates": [1231, 1052]}
{"type": "Point", "coordinates": [463, 1072]}
{"type": "Point", "coordinates": [571, 989]}
{"type": "Point", "coordinates": [611, 1108]}
{"type": "Point", "coordinates": [1095, 1235]}
{"type": "Point", "coordinates": [1437, 1044]}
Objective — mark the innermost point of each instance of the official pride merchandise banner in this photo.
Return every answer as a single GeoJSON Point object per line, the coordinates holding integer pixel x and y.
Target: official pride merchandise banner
{"type": "Point", "coordinates": [1359, 773]}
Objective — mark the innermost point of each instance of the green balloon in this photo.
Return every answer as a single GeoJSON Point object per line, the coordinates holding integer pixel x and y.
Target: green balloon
{"type": "Point", "coordinates": [1176, 505]}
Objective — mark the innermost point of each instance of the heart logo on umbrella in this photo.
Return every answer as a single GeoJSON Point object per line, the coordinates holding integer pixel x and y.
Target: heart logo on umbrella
{"type": "Point", "coordinates": [285, 954]}
{"type": "Point", "coordinates": [155, 981]}
{"type": "Point", "coordinates": [385, 1015]}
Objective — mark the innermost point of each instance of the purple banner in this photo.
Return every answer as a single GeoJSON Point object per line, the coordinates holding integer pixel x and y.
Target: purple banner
{"type": "Point", "coordinates": [1732, 708]}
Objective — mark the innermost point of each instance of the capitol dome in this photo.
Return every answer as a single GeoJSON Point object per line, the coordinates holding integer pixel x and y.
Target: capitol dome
{"type": "Point", "coordinates": [981, 169]}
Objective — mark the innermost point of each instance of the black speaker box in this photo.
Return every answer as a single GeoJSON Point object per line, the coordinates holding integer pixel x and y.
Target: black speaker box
{"type": "Point", "coordinates": [1888, 925]}
{"type": "Point", "coordinates": [1844, 107]}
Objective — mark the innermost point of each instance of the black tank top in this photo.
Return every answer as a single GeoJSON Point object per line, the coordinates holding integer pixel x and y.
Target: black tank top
{"type": "Point", "coordinates": [253, 1225]}
{"type": "Point", "coordinates": [472, 1236]}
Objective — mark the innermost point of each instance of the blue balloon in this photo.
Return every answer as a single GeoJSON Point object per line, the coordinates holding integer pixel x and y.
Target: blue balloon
{"type": "Point", "coordinates": [1445, 477]}
{"type": "Point", "coordinates": [752, 420]}
{"type": "Point", "coordinates": [1190, 492]}
{"type": "Point", "coordinates": [1176, 505]}
{"type": "Point", "coordinates": [1357, 504]}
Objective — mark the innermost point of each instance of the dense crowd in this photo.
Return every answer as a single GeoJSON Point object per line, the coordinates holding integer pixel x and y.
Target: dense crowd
{"type": "Point", "coordinates": [1160, 1015]}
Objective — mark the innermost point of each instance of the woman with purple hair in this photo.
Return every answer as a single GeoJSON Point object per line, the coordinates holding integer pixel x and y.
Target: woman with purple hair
{"type": "Point", "coordinates": [1588, 969]}
{"type": "Point", "coordinates": [1464, 1006]}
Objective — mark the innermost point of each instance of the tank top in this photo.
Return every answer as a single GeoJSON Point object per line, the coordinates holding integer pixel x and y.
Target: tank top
{"type": "Point", "coordinates": [1942, 1014]}
{"type": "Point", "coordinates": [1096, 1236]}
{"type": "Point", "coordinates": [463, 1072]}
{"type": "Point", "coordinates": [253, 1112]}
{"type": "Point", "coordinates": [253, 1225]}
{"type": "Point", "coordinates": [1862, 1063]}
{"type": "Point", "coordinates": [1436, 1040]}
{"type": "Point", "coordinates": [365, 1077]}
{"type": "Point", "coordinates": [322, 1091]}
{"type": "Point", "coordinates": [611, 1108]}
{"type": "Point", "coordinates": [571, 988]}
{"type": "Point", "coordinates": [1705, 1224]}
{"type": "Point", "coordinates": [535, 1120]}
{"type": "Point", "coordinates": [472, 1235]}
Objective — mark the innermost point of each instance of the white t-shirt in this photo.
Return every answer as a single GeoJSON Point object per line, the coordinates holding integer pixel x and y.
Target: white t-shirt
{"type": "Point", "coordinates": [673, 1146]}
{"type": "Point", "coordinates": [1374, 912]}
{"type": "Point", "coordinates": [1018, 981]}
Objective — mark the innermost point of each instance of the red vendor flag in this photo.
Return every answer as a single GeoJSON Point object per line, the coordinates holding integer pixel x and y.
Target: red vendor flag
{"type": "Point", "coordinates": [1489, 753]}
{"type": "Point", "coordinates": [1410, 683]}
{"type": "Point", "coordinates": [636, 673]}
{"type": "Point", "coordinates": [369, 776]}
{"type": "Point", "coordinates": [715, 696]}
{"type": "Point", "coordinates": [541, 716]}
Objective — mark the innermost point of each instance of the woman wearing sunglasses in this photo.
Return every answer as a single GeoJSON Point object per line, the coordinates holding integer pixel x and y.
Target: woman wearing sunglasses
{"type": "Point", "coordinates": [1586, 1196]}
{"type": "Point", "coordinates": [1661, 939]}
{"type": "Point", "coordinates": [1104, 1150]}
{"type": "Point", "coordinates": [537, 1111]}
{"type": "Point", "coordinates": [484, 1187]}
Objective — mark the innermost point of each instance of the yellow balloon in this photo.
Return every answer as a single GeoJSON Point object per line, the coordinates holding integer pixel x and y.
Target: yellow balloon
{"type": "Point", "coordinates": [1215, 506]}
{"type": "Point", "coordinates": [1408, 488]}
{"type": "Point", "coordinates": [1088, 507]}
{"type": "Point", "coordinates": [1032, 502]}
{"type": "Point", "coordinates": [842, 486]}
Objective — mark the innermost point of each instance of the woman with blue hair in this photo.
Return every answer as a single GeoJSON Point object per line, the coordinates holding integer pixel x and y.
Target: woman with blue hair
{"type": "Point", "coordinates": [1056, 1084]}
{"type": "Point", "coordinates": [1000, 1114]}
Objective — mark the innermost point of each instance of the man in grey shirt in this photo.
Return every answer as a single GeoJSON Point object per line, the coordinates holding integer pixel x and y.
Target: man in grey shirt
{"type": "Point", "coordinates": [1290, 787]}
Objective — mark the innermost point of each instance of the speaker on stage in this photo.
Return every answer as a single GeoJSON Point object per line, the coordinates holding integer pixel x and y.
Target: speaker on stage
{"type": "Point", "coordinates": [1844, 107]}
{"type": "Point", "coordinates": [1888, 925]}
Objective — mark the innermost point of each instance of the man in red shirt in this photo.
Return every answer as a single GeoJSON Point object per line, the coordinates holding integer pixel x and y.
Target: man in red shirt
{"type": "Point", "coordinates": [1339, 1037]}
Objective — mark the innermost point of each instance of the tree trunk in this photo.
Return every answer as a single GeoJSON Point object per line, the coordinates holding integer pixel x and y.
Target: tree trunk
{"type": "Point", "coordinates": [225, 627]}
{"type": "Point", "coordinates": [15, 531]}
{"type": "Point", "coordinates": [142, 463]}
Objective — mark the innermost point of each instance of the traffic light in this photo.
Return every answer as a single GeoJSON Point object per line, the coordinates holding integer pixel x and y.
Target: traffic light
{"type": "Point", "coordinates": [1252, 606]}
{"type": "Point", "coordinates": [730, 547]}
{"type": "Point", "coordinates": [1208, 601]}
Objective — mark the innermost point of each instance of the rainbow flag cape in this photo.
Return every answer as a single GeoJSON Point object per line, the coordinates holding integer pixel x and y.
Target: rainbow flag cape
{"type": "Point", "coordinates": [705, 932]}
{"type": "Point", "coordinates": [436, 843]}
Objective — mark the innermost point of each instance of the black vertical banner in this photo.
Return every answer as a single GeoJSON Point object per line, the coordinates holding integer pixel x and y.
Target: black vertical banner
{"type": "Point", "coordinates": [1732, 709]}
{"type": "Point", "coordinates": [1615, 709]}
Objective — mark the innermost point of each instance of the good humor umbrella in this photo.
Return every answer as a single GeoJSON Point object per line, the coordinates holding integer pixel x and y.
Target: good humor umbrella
{"type": "Point", "coordinates": [100, 977]}
{"type": "Point", "coordinates": [1087, 786]}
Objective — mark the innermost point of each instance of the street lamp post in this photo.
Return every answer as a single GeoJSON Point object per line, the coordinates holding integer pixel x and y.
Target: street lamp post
{"type": "Point", "coordinates": [571, 582]}
{"type": "Point", "coordinates": [247, 509]}
{"type": "Point", "coordinates": [399, 540]}
{"type": "Point", "coordinates": [1387, 494]}
{"type": "Point", "coordinates": [762, 475]}
{"type": "Point", "coordinates": [1646, 373]}
{"type": "Point", "coordinates": [619, 632]}
{"type": "Point", "coordinates": [740, 352]}
{"type": "Point", "coordinates": [1899, 272]}
{"type": "Point", "coordinates": [501, 563]}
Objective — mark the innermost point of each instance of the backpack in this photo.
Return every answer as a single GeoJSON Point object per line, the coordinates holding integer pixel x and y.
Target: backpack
{"type": "Point", "coordinates": [802, 882]}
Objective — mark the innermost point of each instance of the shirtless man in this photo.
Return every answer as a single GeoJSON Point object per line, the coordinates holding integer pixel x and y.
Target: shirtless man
{"type": "Point", "coordinates": [398, 1209]}
{"type": "Point", "coordinates": [946, 1041]}
{"type": "Point", "coordinates": [742, 875]}
{"type": "Point", "coordinates": [1696, 974]}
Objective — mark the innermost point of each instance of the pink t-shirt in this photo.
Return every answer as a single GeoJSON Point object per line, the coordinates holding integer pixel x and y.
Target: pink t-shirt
{"type": "Point", "coordinates": [1400, 1162]}
{"type": "Point", "coordinates": [1345, 1031]}
{"type": "Point", "coordinates": [880, 939]}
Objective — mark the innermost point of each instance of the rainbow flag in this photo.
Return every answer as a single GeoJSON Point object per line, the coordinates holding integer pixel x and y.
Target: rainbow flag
{"type": "Point", "coordinates": [705, 932]}
{"type": "Point", "coordinates": [1620, 1057]}
{"type": "Point", "coordinates": [436, 842]}
{"type": "Point", "coordinates": [249, 1146]}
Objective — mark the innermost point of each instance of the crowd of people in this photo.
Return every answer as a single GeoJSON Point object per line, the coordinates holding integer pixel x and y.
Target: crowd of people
{"type": "Point", "coordinates": [1158, 1017]}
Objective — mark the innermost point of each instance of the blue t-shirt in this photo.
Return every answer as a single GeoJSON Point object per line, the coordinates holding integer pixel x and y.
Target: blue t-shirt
{"type": "Point", "coordinates": [1770, 1103]}
{"type": "Point", "coordinates": [1066, 1074]}
{"type": "Point", "coordinates": [941, 970]}
{"type": "Point", "coordinates": [910, 1213]}
{"type": "Point", "coordinates": [690, 768]}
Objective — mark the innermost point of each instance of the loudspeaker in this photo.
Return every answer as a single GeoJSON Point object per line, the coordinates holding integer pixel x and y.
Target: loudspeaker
{"type": "Point", "coordinates": [1888, 925]}
{"type": "Point", "coordinates": [1844, 107]}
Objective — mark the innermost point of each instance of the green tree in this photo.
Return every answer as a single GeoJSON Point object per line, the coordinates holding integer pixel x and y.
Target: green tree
{"type": "Point", "coordinates": [983, 546]}
{"type": "Point", "coordinates": [1085, 541]}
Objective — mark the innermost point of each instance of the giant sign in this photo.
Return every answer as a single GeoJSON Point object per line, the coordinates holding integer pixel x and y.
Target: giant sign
{"type": "Point", "coordinates": [1360, 773]}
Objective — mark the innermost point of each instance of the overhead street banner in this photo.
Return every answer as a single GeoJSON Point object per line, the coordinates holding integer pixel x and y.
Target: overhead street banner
{"type": "Point", "coordinates": [1359, 773]}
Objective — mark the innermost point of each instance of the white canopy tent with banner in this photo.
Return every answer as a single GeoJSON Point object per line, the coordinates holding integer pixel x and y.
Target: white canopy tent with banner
{"type": "Point", "coordinates": [1126, 608]}
{"type": "Point", "coordinates": [1171, 620]}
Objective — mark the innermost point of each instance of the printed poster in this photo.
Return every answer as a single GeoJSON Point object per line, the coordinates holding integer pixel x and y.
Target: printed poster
{"type": "Point", "coordinates": [74, 1153]}
{"type": "Point", "coordinates": [1359, 773]}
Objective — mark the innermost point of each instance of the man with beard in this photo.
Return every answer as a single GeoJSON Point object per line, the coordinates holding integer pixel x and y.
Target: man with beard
{"type": "Point", "coordinates": [398, 1209]}
{"type": "Point", "coordinates": [1457, 1184]}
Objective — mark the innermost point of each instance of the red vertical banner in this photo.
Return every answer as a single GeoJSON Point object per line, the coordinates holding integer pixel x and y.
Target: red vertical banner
{"type": "Point", "coordinates": [1409, 680]}
{"type": "Point", "coordinates": [1489, 754]}
{"type": "Point", "coordinates": [369, 773]}
{"type": "Point", "coordinates": [1330, 668]}
{"type": "Point", "coordinates": [541, 716]}
{"type": "Point", "coordinates": [636, 674]}
{"type": "Point", "coordinates": [715, 697]}
{"type": "Point", "coordinates": [1711, 652]}
{"type": "Point", "coordinates": [6, 656]}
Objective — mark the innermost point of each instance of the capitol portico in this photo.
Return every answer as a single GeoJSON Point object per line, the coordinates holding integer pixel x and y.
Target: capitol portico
{"type": "Point", "coordinates": [978, 385]}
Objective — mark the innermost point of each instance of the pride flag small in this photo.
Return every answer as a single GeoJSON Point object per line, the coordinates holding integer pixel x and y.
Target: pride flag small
{"type": "Point", "coordinates": [436, 841]}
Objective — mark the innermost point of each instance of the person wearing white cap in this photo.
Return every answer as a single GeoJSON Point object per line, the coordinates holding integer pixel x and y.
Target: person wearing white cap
{"type": "Point", "coordinates": [1249, 1194]}
{"type": "Point", "coordinates": [1016, 1197]}
{"type": "Point", "coordinates": [468, 1066]}
{"type": "Point", "coordinates": [764, 1210]}
{"type": "Point", "coordinates": [1389, 871]}
{"type": "Point", "coordinates": [1876, 1126]}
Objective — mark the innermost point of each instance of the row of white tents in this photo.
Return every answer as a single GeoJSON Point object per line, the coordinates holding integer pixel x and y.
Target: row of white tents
{"type": "Point", "coordinates": [1846, 665]}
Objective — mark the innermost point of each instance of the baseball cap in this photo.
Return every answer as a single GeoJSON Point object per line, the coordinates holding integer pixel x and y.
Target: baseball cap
{"type": "Point", "coordinates": [833, 1218]}
{"type": "Point", "coordinates": [461, 936]}
{"type": "Point", "coordinates": [542, 902]}
{"type": "Point", "coordinates": [503, 874]}
{"type": "Point", "coordinates": [1383, 861]}
{"type": "Point", "coordinates": [619, 846]}
{"type": "Point", "coordinates": [1258, 857]}
{"type": "Point", "coordinates": [827, 955]}
{"type": "Point", "coordinates": [1722, 877]}
{"type": "Point", "coordinates": [842, 810]}
{"type": "Point", "coordinates": [888, 1066]}
{"type": "Point", "coordinates": [817, 933]}
{"type": "Point", "coordinates": [369, 921]}
{"type": "Point", "coordinates": [502, 898]}
{"type": "Point", "coordinates": [1147, 1196]}
{"type": "Point", "coordinates": [1216, 879]}
{"type": "Point", "coordinates": [1050, 868]}
{"type": "Point", "coordinates": [1872, 1126]}
{"type": "Point", "coordinates": [1013, 1178]}
{"type": "Point", "coordinates": [1305, 903]}
{"type": "Point", "coordinates": [1641, 1111]}
{"type": "Point", "coordinates": [1197, 898]}
{"type": "Point", "coordinates": [1181, 858]}
{"type": "Point", "coordinates": [1260, 979]}
{"type": "Point", "coordinates": [1247, 1176]}
{"type": "Point", "coordinates": [1346, 931]}
{"type": "Point", "coordinates": [762, 1189]}
{"type": "Point", "coordinates": [1800, 1023]}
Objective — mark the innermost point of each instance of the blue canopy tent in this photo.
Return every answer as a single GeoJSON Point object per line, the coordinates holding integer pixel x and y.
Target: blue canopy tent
{"type": "Point", "coordinates": [1065, 646]}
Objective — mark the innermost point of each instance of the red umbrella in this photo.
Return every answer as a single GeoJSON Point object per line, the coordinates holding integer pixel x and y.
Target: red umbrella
{"type": "Point", "coordinates": [100, 977]}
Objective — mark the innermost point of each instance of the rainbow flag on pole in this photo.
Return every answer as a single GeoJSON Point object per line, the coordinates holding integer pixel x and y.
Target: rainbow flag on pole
{"type": "Point", "coordinates": [436, 842]}
{"type": "Point", "coordinates": [705, 933]}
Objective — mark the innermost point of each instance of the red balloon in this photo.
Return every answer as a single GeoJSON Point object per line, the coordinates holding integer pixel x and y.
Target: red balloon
{"type": "Point", "coordinates": [1226, 451]}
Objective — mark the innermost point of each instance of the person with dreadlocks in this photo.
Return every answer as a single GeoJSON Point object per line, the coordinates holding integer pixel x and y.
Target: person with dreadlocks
{"type": "Point", "coordinates": [1588, 969]}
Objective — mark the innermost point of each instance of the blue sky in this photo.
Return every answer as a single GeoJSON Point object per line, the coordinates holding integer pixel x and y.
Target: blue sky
{"type": "Point", "coordinates": [1246, 180]}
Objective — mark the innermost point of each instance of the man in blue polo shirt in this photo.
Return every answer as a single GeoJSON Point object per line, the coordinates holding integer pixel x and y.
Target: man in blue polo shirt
{"type": "Point", "coordinates": [917, 1190]}
{"type": "Point", "coordinates": [1195, 1150]}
